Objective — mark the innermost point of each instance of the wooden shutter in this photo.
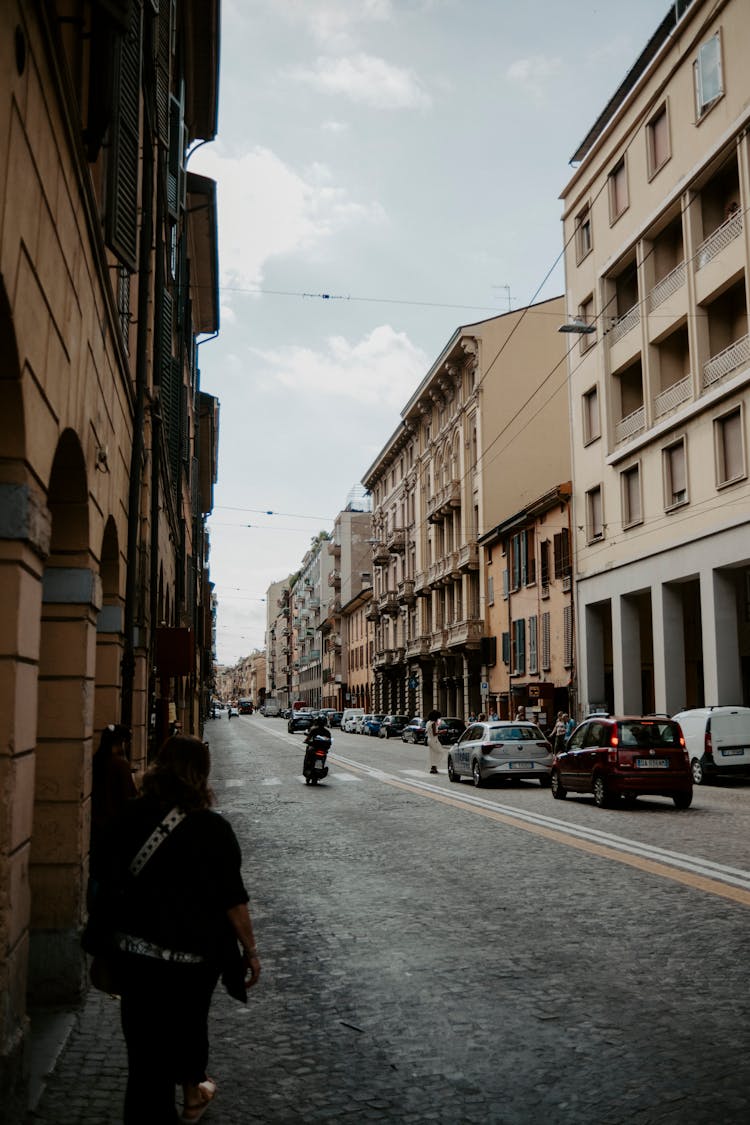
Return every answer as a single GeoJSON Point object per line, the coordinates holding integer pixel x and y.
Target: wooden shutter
{"type": "Point", "coordinates": [545, 641]}
{"type": "Point", "coordinates": [533, 630]}
{"type": "Point", "coordinates": [175, 173]}
{"type": "Point", "coordinates": [121, 213]}
{"type": "Point", "coordinates": [164, 68]}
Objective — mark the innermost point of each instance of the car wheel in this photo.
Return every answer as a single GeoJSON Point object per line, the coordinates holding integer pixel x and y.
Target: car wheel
{"type": "Point", "coordinates": [452, 775]}
{"type": "Point", "coordinates": [601, 794]}
{"type": "Point", "coordinates": [559, 792]}
{"type": "Point", "coordinates": [476, 774]}
{"type": "Point", "coordinates": [683, 800]}
{"type": "Point", "coordinates": [697, 771]}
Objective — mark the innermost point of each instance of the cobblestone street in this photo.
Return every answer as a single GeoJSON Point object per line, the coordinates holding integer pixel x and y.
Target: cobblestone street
{"type": "Point", "coordinates": [422, 964]}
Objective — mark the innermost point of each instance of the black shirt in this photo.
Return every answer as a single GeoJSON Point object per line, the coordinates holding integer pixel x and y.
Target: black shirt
{"type": "Point", "coordinates": [180, 898]}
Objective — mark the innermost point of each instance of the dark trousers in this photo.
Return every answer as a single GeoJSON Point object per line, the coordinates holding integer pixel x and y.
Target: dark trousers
{"type": "Point", "coordinates": [164, 1014]}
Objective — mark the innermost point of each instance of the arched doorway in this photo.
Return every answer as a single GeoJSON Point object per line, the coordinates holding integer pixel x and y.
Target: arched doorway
{"type": "Point", "coordinates": [109, 634]}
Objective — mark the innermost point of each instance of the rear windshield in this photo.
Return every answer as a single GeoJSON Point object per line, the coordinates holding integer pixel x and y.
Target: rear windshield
{"type": "Point", "coordinates": [452, 723]}
{"type": "Point", "coordinates": [515, 734]}
{"type": "Point", "coordinates": [646, 733]}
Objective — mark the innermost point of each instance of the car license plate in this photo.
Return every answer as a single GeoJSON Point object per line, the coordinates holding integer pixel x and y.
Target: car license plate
{"type": "Point", "coordinates": [319, 765]}
{"type": "Point", "coordinates": [734, 753]}
{"type": "Point", "coordinates": [520, 765]}
{"type": "Point", "coordinates": [652, 763]}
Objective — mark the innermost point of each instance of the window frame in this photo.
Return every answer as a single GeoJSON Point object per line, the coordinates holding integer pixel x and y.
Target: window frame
{"type": "Point", "coordinates": [620, 166]}
{"type": "Point", "coordinates": [592, 394]}
{"type": "Point", "coordinates": [702, 108]}
{"type": "Point", "coordinates": [583, 222]}
{"type": "Point", "coordinates": [670, 503]}
{"type": "Point", "coordinates": [653, 167]}
{"type": "Point", "coordinates": [587, 315]}
{"type": "Point", "coordinates": [628, 520]}
{"type": "Point", "coordinates": [737, 409]}
{"type": "Point", "coordinates": [591, 535]}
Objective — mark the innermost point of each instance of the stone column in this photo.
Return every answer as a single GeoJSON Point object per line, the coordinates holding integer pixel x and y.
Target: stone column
{"type": "Point", "coordinates": [722, 679]}
{"type": "Point", "coordinates": [669, 648]}
{"type": "Point", "coordinates": [626, 651]}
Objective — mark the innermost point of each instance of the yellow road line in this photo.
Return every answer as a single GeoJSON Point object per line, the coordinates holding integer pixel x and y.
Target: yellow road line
{"type": "Point", "coordinates": [652, 867]}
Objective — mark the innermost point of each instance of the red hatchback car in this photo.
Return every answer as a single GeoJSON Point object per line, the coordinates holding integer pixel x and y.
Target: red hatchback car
{"type": "Point", "coordinates": [614, 757]}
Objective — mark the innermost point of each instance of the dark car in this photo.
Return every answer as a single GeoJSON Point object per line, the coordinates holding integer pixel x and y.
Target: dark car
{"type": "Point", "coordinates": [392, 725]}
{"type": "Point", "coordinates": [415, 731]}
{"type": "Point", "coordinates": [450, 730]}
{"type": "Point", "coordinates": [334, 718]}
{"type": "Point", "coordinates": [300, 720]}
{"type": "Point", "coordinates": [626, 757]}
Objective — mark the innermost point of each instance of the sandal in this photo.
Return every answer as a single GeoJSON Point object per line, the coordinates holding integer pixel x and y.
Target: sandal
{"type": "Point", "coordinates": [193, 1111]}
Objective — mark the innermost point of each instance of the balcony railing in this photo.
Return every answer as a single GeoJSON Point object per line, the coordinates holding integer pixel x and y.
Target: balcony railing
{"type": "Point", "coordinates": [468, 556]}
{"type": "Point", "coordinates": [444, 501]}
{"type": "Point", "coordinates": [468, 632]}
{"type": "Point", "coordinates": [372, 613]}
{"type": "Point", "coordinates": [381, 556]}
{"type": "Point", "coordinates": [730, 229]}
{"type": "Point", "coordinates": [667, 287]}
{"type": "Point", "coordinates": [627, 428]}
{"type": "Point", "coordinates": [334, 548]}
{"type": "Point", "coordinates": [389, 603]}
{"type": "Point", "coordinates": [396, 540]}
{"type": "Point", "coordinates": [334, 579]}
{"type": "Point", "coordinates": [417, 646]}
{"type": "Point", "coordinates": [406, 593]}
{"type": "Point", "coordinates": [624, 324]}
{"type": "Point", "coordinates": [673, 396]}
{"type": "Point", "coordinates": [736, 355]}
{"type": "Point", "coordinates": [421, 584]}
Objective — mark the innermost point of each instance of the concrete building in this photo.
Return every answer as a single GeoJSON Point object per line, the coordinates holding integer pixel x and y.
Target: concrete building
{"type": "Point", "coordinates": [350, 550]}
{"type": "Point", "coordinates": [463, 459]}
{"type": "Point", "coordinates": [279, 642]}
{"type": "Point", "coordinates": [657, 244]}
{"type": "Point", "coordinates": [358, 640]}
{"type": "Point", "coordinates": [108, 279]}
{"type": "Point", "coordinates": [309, 601]}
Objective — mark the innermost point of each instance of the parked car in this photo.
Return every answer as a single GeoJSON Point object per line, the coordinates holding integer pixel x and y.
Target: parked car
{"type": "Point", "coordinates": [349, 718]}
{"type": "Point", "coordinates": [371, 725]}
{"type": "Point", "coordinates": [624, 756]}
{"type": "Point", "coordinates": [300, 720]}
{"type": "Point", "coordinates": [717, 741]}
{"type": "Point", "coordinates": [392, 725]}
{"type": "Point", "coordinates": [415, 731]}
{"type": "Point", "coordinates": [450, 730]}
{"type": "Point", "coordinates": [334, 718]}
{"type": "Point", "coordinates": [246, 707]}
{"type": "Point", "coordinates": [501, 749]}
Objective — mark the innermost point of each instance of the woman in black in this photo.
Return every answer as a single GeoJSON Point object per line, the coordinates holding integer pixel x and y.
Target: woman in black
{"type": "Point", "coordinates": [178, 924]}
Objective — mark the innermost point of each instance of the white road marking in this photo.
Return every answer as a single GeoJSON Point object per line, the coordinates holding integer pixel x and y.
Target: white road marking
{"type": "Point", "coordinates": [235, 782]}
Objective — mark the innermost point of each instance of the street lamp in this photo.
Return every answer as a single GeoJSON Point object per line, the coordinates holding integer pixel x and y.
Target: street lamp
{"type": "Point", "coordinates": [577, 326]}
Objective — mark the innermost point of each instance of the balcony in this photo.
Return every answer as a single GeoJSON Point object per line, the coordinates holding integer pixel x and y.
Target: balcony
{"type": "Point", "coordinates": [468, 556]}
{"type": "Point", "coordinates": [389, 603]}
{"type": "Point", "coordinates": [333, 643]}
{"type": "Point", "coordinates": [421, 585]}
{"type": "Point", "coordinates": [381, 556]}
{"type": "Point", "coordinates": [724, 363]}
{"type": "Point", "coordinates": [466, 633]}
{"type": "Point", "coordinates": [406, 595]}
{"type": "Point", "coordinates": [666, 288]}
{"type": "Point", "coordinates": [624, 324]}
{"type": "Point", "coordinates": [434, 574]}
{"type": "Point", "coordinates": [673, 396]}
{"type": "Point", "coordinates": [372, 613]}
{"type": "Point", "coordinates": [439, 640]}
{"type": "Point", "coordinates": [712, 246]}
{"type": "Point", "coordinates": [449, 570]}
{"type": "Point", "coordinates": [334, 549]}
{"type": "Point", "coordinates": [396, 541]}
{"type": "Point", "coordinates": [383, 658]}
{"type": "Point", "coordinates": [630, 426]}
{"type": "Point", "coordinates": [417, 646]}
{"type": "Point", "coordinates": [334, 579]}
{"type": "Point", "coordinates": [444, 502]}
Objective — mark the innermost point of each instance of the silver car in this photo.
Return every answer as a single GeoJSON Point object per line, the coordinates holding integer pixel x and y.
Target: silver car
{"type": "Point", "coordinates": [502, 750]}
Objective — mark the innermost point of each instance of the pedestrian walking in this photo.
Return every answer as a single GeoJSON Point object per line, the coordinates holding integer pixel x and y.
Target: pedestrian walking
{"type": "Point", "coordinates": [437, 753]}
{"type": "Point", "coordinates": [559, 732]}
{"type": "Point", "coordinates": [520, 716]}
{"type": "Point", "coordinates": [112, 786]}
{"type": "Point", "coordinates": [178, 909]}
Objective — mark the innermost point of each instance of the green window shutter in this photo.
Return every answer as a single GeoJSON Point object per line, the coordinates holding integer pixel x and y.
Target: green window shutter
{"type": "Point", "coordinates": [121, 217]}
{"type": "Point", "coordinates": [506, 648]}
{"type": "Point", "coordinates": [176, 156]}
{"type": "Point", "coordinates": [164, 68]}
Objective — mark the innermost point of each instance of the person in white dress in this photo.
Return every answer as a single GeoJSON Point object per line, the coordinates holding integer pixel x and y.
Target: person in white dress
{"type": "Point", "coordinates": [437, 751]}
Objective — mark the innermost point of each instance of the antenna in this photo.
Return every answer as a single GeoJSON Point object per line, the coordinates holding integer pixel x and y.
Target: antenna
{"type": "Point", "coordinates": [506, 288]}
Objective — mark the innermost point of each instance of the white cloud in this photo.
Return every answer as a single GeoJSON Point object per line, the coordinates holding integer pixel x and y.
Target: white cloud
{"type": "Point", "coordinates": [534, 73]}
{"type": "Point", "coordinates": [268, 209]}
{"type": "Point", "coordinates": [335, 22]}
{"type": "Point", "coordinates": [367, 80]}
{"type": "Point", "coordinates": [382, 369]}
{"type": "Point", "coordinates": [335, 127]}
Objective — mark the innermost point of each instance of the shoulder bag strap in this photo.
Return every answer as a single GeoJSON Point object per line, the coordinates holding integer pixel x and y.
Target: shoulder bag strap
{"type": "Point", "coordinates": [159, 834]}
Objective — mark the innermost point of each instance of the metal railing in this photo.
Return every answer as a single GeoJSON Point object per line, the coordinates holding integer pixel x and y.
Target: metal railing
{"type": "Point", "coordinates": [730, 229]}
{"type": "Point", "coordinates": [723, 363]}
{"type": "Point", "coordinates": [673, 396]}
{"type": "Point", "coordinates": [665, 288]}
{"type": "Point", "coordinates": [632, 424]}
{"type": "Point", "coordinates": [624, 324]}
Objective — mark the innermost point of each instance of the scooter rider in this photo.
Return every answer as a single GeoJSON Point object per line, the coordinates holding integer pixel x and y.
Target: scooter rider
{"type": "Point", "coordinates": [318, 730]}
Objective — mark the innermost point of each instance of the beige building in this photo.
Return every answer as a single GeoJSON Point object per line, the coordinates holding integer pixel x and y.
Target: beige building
{"type": "Point", "coordinates": [107, 279]}
{"type": "Point", "coordinates": [279, 642]}
{"type": "Point", "coordinates": [465, 458]}
{"type": "Point", "coordinates": [358, 637]}
{"type": "Point", "coordinates": [657, 252]}
{"type": "Point", "coordinates": [351, 572]}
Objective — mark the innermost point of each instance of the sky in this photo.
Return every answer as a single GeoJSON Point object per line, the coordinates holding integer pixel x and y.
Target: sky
{"type": "Point", "coordinates": [387, 170]}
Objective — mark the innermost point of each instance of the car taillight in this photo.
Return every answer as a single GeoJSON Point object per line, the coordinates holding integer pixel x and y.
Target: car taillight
{"type": "Point", "coordinates": [614, 741]}
{"type": "Point", "coordinates": [488, 747]}
{"type": "Point", "coordinates": [320, 753]}
{"type": "Point", "coordinates": [707, 744]}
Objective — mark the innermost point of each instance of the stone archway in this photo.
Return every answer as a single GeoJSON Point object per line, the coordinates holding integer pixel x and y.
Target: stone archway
{"type": "Point", "coordinates": [71, 599]}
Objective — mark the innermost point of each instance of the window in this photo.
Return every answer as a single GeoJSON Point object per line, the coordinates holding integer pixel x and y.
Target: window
{"type": "Point", "coordinates": [506, 648]}
{"type": "Point", "coordinates": [675, 475]}
{"type": "Point", "coordinates": [583, 236]}
{"type": "Point", "coordinates": [591, 423]}
{"type": "Point", "coordinates": [587, 315]}
{"type": "Point", "coordinates": [630, 481]}
{"type": "Point", "coordinates": [519, 647]}
{"type": "Point", "coordinates": [568, 636]}
{"type": "Point", "coordinates": [562, 554]}
{"type": "Point", "coordinates": [709, 82]}
{"type": "Point", "coordinates": [730, 452]}
{"type": "Point", "coordinates": [544, 566]}
{"type": "Point", "coordinates": [594, 519]}
{"type": "Point", "coordinates": [545, 642]}
{"type": "Point", "coordinates": [533, 630]}
{"type": "Point", "coordinates": [491, 589]}
{"type": "Point", "coordinates": [657, 141]}
{"type": "Point", "coordinates": [617, 182]}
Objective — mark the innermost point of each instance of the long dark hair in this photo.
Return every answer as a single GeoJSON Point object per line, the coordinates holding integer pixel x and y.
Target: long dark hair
{"type": "Point", "coordinates": [179, 775]}
{"type": "Point", "coordinates": [113, 735]}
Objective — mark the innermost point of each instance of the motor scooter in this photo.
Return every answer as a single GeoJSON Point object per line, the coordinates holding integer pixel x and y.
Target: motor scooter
{"type": "Point", "coordinates": [314, 768]}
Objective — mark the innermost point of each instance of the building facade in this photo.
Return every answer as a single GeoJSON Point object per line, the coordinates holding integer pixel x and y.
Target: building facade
{"type": "Point", "coordinates": [108, 268]}
{"type": "Point", "coordinates": [657, 253]}
{"type": "Point", "coordinates": [351, 572]}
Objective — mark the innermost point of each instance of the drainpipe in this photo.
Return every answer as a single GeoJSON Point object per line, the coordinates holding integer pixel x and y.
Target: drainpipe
{"type": "Point", "coordinates": [141, 386]}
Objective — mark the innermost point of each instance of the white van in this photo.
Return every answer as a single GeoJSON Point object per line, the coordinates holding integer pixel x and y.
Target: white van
{"type": "Point", "coordinates": [349, 718]}
{"type": "Point", "coordinates": [717, 740]}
